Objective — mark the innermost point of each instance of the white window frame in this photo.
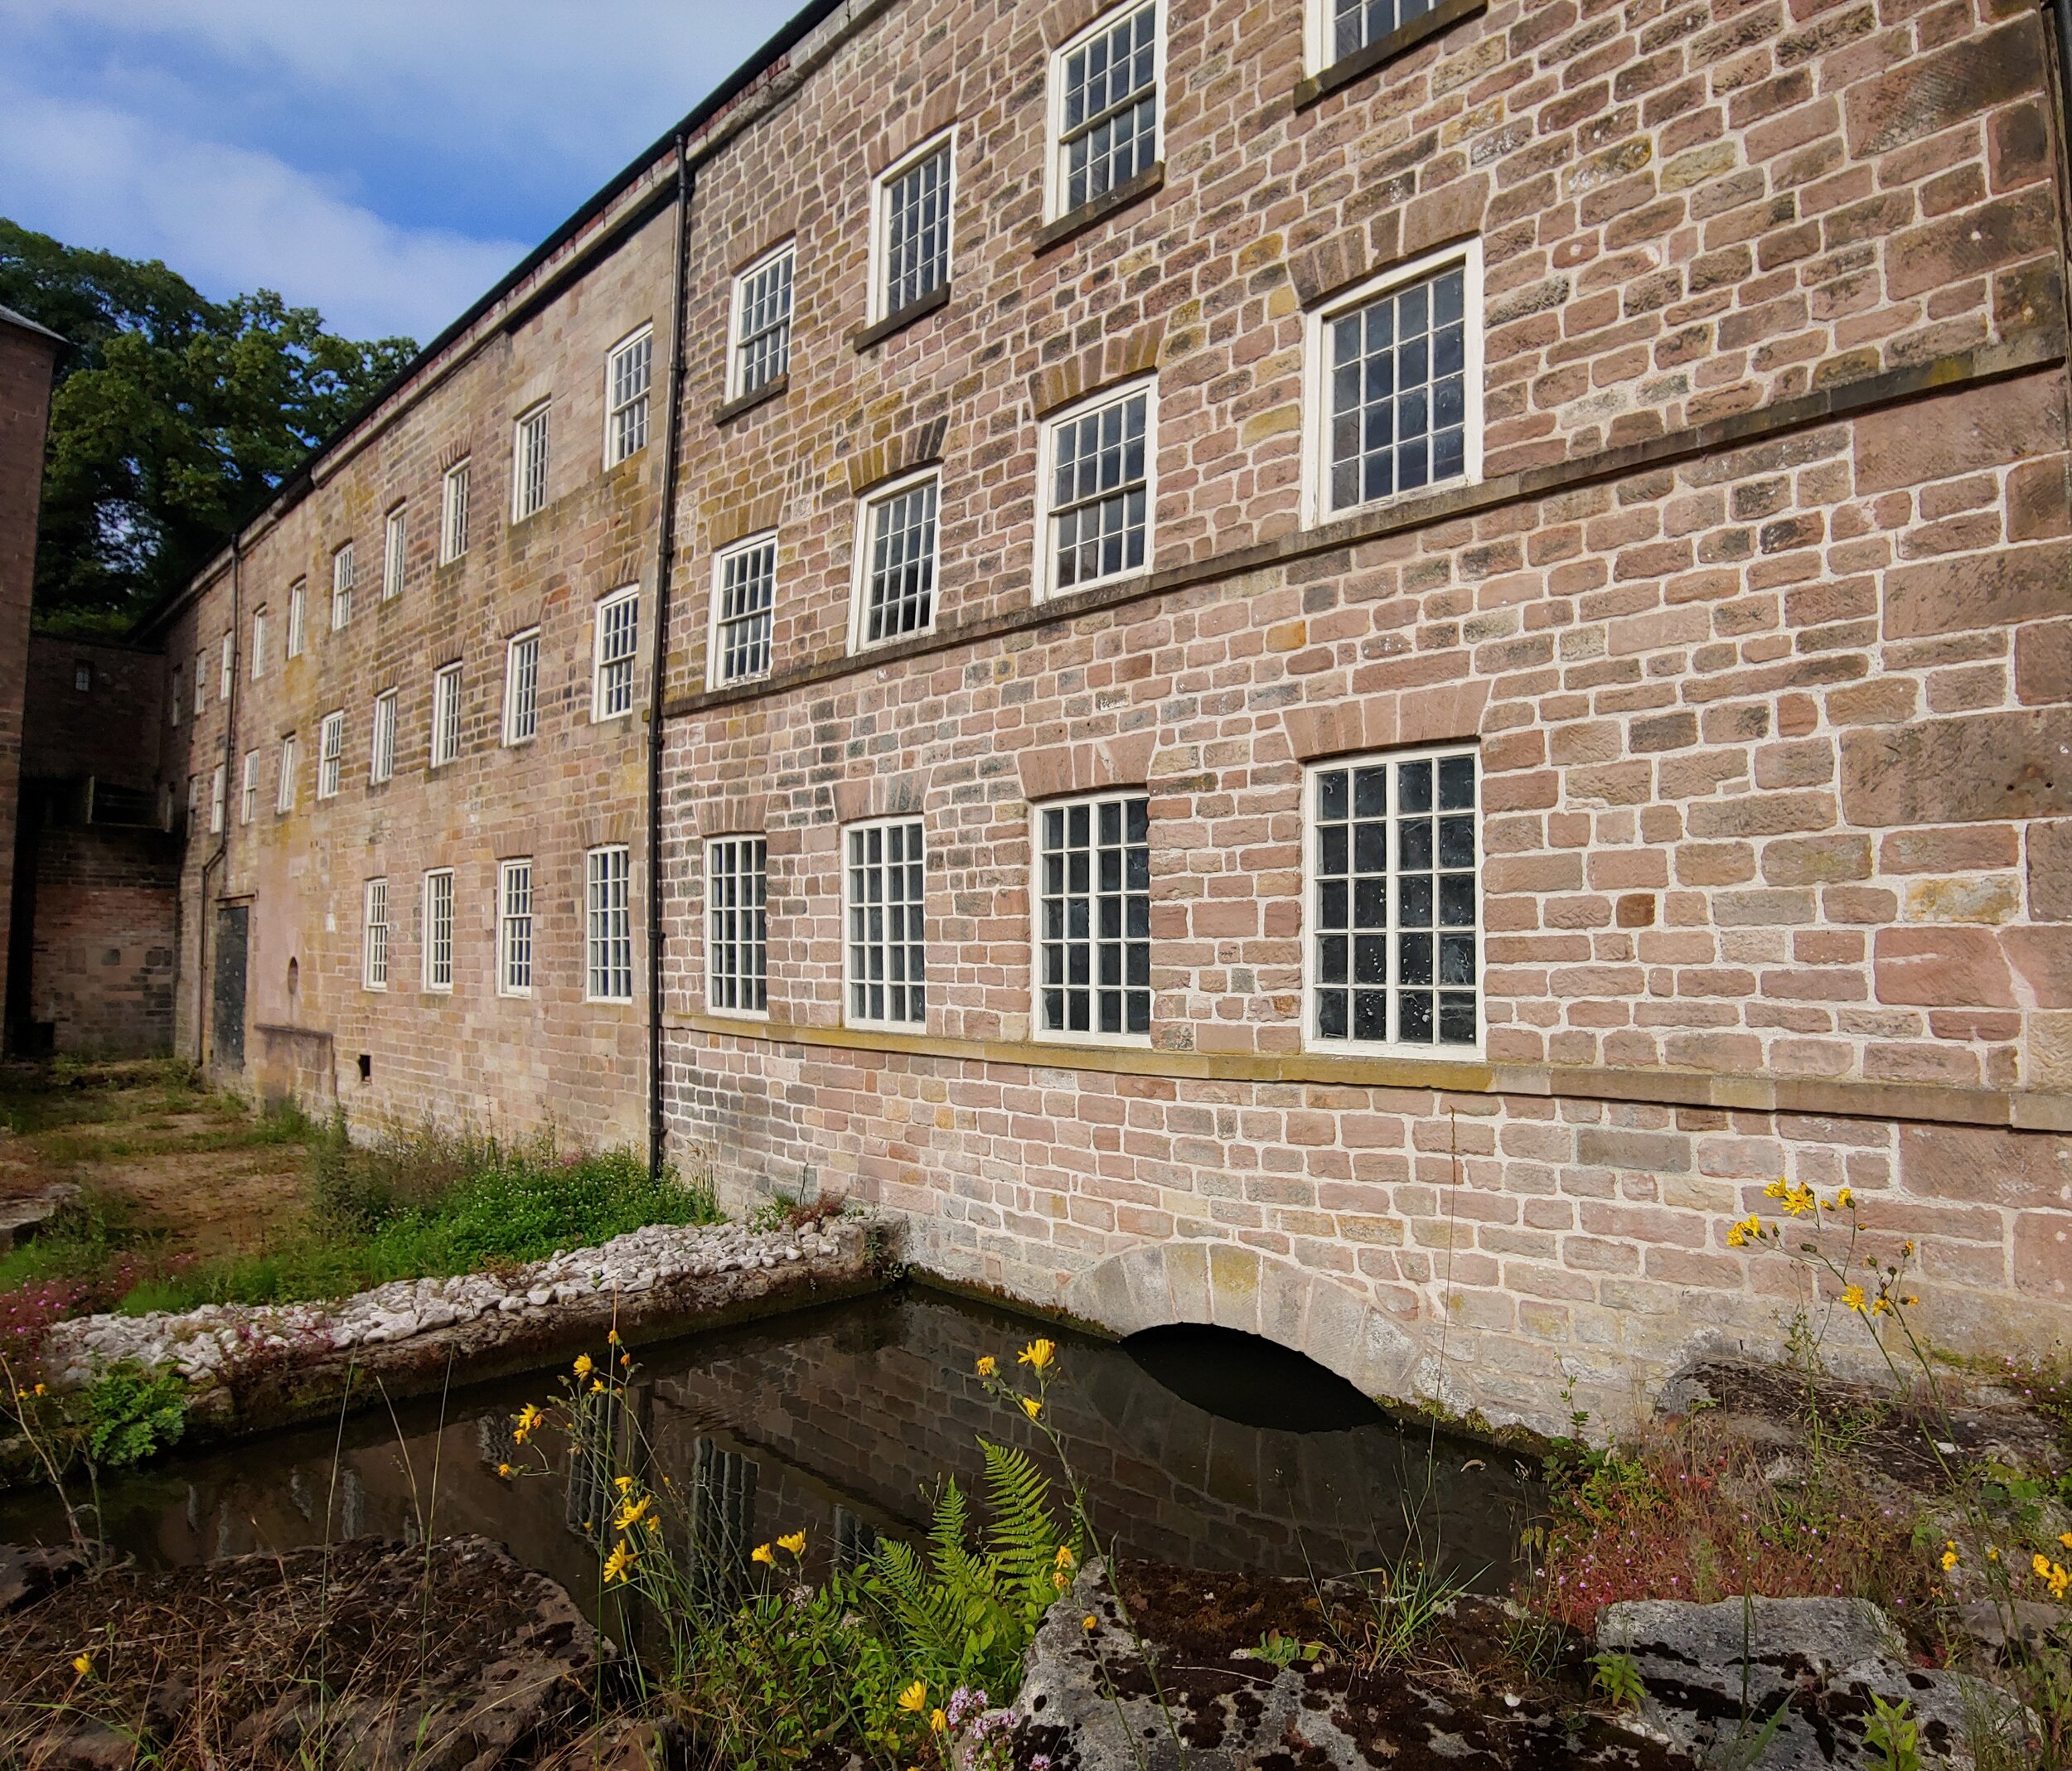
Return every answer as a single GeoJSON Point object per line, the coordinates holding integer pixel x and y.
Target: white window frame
{"type": "Point", "coordinates": [247, 788]}
{"type": "Point", "coordinates": [943, 140]}
{"type": "Point", "coordinates": [751, 861]}
{"type": "Point", "coordinates": [522, 463]}
{"type": "Point", "coordinates": [262, 619]}
{"type": "Point", "coordinates": [228, 674]}
{"type": "Point", "coordinates": [374, 921]}
{"type": "Point", "coordinates": [446, 715]}
{"type": "Point", "coordinates": [345, 578]}
{"type": "Point", "coordinates": [453, 489]}
{"type": "Point", "coordinates": [512, 646]}
{"type": "Point", "coordinates": [219, 786]}
{"type": "Point", "coordinates": [395, 540]}
{"type": "Point", "coordinates": [867, 507]}
{"type": "Point", "coordinates": [1046, 586]}
{"type": "Point", "coordinates": [1055, 183]}
{"type": "Point", "coordinates": [1312, 775]}
{"type": "Point", "coordinates": [1316, 397]}
{"type": "Point", "coordinates": [381, 747]}
{"type": "Point", "coordinates": [613, 406]}
{"type": "Point", "coordinates": [172, 696]}
{"type": "Point", "coordinates": [297, 616]}
{"type": "Point", "coordinates": [737, 341]}
{"type": "Point", "coordinates": [1067, 1036]}
{"type": "Point", "coordinates": [331, 753]}
{"type": "Point", "coordinates": [200, 680]}
{"type": "Point", "coordinates": [850, 1017]}
{"type": "Point", "coordinates": [507, 921]}
{"type": "Point", "coordinates": [716, 624]}
{"type": "Point", "coordinates": [1320, 34]}
{"type": "Point", "coordinates": [434, 877]}
{"type": "Point", "coordinates": [618, 599]}
{"type": "Point", "coordinates": [285, 788]}
{"type": "Point", "coordinates": [591, 911]}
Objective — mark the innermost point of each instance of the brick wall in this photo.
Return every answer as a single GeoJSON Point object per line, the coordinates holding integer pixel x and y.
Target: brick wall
{"type": "Point", "coordinates": [111, 729]}
{"type": "Point", "coordinates": [106, 922]}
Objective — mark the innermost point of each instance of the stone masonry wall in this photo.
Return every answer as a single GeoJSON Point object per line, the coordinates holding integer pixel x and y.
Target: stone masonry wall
{"type": "Point", "coordinates": [106, 926]}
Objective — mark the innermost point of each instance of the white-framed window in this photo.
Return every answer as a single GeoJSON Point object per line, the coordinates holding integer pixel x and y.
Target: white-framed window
{"type": "Point", "coordinates": [331, 753]}
{"type": "Point", "coordinates": [453, 513]}
{"type": "Point", "coordinates": [344, 574]}
{"type": "Point", "coordinates": [172, 696]}
{"type": "Point", "coordinates": [248, 795]}
{"type": "Point", "coordinates": [528, 461]}
{"type": "Point", "coordinates": [514, 928]}
{"type": "Point", "coordinates": [445, 714]}
{"type": "Point", "coordinates": [200, 681]}
{"type": "Point", "coordinates": [616, 641]}
{"type": "Point", "coordinates": [608, 925]}
{"type": "Point", "coordinates": [627, 371]}
{"type": "Point", "coordinates": [373, 937]}
{"type": "Point", "coordinates": [1338, 28]}
{"type": "Point", "coordinates": [1097, 486]}
{"type": "Point", "coordinates": [83, 677]}
{"type": "Point", "coordinates": [1394, 955]}
{"type": "Point", "coordinates": [736, 926]}
{"type": "Point", "coordinates": [1104, 100]}
{"type": "Point", "coordinates": [381, 751]}
{"type": "Point", "coordinates": [1093, 918]}
{"type": "Point", "coordinates": [895, 573]}
{"type": "Point", "coordinates": [297, 616]}
{"type": "Point", "coordinates": [284, 785]}
{"type": "Point", "coordinates": [885, 958]}
{"type": "Point", "coordinates": [194, 799]}
{"type": "Point", "coordinates": [521, 687]}
{"type": "Point", "coordinates": [394, 534]}
{"type": "Point", "coordinates": [910, 227]}
{"type": "Point", "coordinates": [262, 622]}
{"type": "Point", "coordinates": [439, 929]}
{"type": "Point", "coordinates": [217, 785]}
{"type": "Point", "coordinates": [743, 609]}
{"type": "Point", "coordinates": [760, 350]}
{"type": "Point", "coordinates": [228, 667]}
{"type": "Point", "coordinates": [1395, 384]}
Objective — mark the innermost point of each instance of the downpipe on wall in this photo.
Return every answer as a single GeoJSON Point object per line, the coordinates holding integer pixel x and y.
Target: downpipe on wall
{"type": "Point", "coordinates": [221, 852]}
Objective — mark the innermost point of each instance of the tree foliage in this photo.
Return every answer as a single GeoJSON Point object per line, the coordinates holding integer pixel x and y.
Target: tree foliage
{"type": "Point", "coordinates": [174, 417]}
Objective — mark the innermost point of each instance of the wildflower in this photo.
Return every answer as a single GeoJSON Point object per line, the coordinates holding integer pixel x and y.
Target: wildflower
{"type": "Point", "coordinates": [1800, 1200]}
{"type": "Point", "coordinates": [1031, 1406]}
{"type": "Point", "coordinates": [1038, 1353]}
{"type": "Point", "coordinates": [596, 1386]}
{"type": "Point", "coordinates": [39, 1390]}
{"type": "Point", "coordinates": [761, 1553]}
{"type": "Point", "coordinates": [1061, 1579]}
{"type": "Point", "coordinates": [1949, 1554]}
{"type": "Point", "coordinates": [914, 1699]}
{"type": "Point", "coordinates": [654, 1526]}
{"type": "Point", "coordinates": [938, 1722]}
{"type": "Point", "coordinates": [582, 1365]}
{"type": "Point", "coordinates": [1749, 1229]}
{"type": "Point", "coordinates": [1845, 1200]}
{"type": "Point", "coordinates": [1064, 1556]}
{"type": "Point", "coordinates": [1881, 1305]}
{"type": "Point", "coordinates": [1852, 1296]}
{"type": "Point", "coordinates": [83, 1665]}
{"type": "Point", "coordinates": [1090, 1622]}
{"type": "Point", "coordinates": [632, 1512]}
{"type": "Point", "coordinates": [622, 1483]}
{"type": "Point", "coordinates": [503, 1469]}
{"type": "Point", "coordinates": [1992, 1554]}
{"type": "Point", "coordinates": [2066, 1538]}
{"type": "Point", "coordinates": [619, 1564]}
{"type": "Point", "coordinates": [613, 1336]}
{"type": "Point", "coordinates": [1910, 1300]}
{"type": "Point", "coordinates": [527, 1418]}
{"type": "Point", "coordinates": [794, 1543]}
{"type": "Point", "coordinates": [988, 1365]}
{"type": "Point", "coordinates": [1775, 1190]}
{"type": "Point", "coordinates": [1907, 1249]}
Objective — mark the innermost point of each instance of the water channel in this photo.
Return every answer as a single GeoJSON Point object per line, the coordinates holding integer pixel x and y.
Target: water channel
{"type": "Point", "coordinates": [1197, 1447]}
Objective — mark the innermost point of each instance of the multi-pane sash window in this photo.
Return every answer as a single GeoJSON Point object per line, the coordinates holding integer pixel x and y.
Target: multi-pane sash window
{"type": "Point", "coordinates": [200, 682]}
{"type": "Point", "coordinates": [248, 798]}
{"type": "Point", "coordinates": [374, 945]}
{"type": "Point", "coordinates": [745, 601]}
{"type": "Point", "coordinates": [1099, 491]}
{"type": "Point", "coordinates": [394, 533]}
{"type": "Point", "coordinates": [446, 715]}
{"type": "Point", "coordinates": [439, 930]}
{"type": "Point", "coordinates": [381, 764]}
{"type": "Point", "coordinates": [618, 622]}
{"type": "Point", "coordinates": [331, 752]}
{"type": "Point", "coordinates": [1395, 950]}
{"type": "Point", "coordinates": [763, 321]}
{"type": "Point", "coordinates": [284, 790]}
{"type": "Point", "coordinates": [609, 920]}
{"type": "Point", "coordinates": [227, 667]}
{"type": "Point", "coordinates": [298, 614]}
{"type": "Point", "coordinates": [194, 798]}
{"type": "Point", "coordinates": [915, 229]}
{"type": "Point", "coordinates": [514, 928]}
{"type": "Point", "coordinates": [887, 933]}
{"type": "Point", "coordinates": [261, 622]}
{"type": "Point", "coordinates": [343, 575]}
{"type": "Point", "coordinates": [172, 699]}
{"type": "Point", "coordinates": [1395, 377]}
{"type": "Point", "coordinates": [217, 784]}
{"type": "Point", "coordinates": [736, 930]}
{"type": "Point", "coordinates": [899, 562]}
{"type": "Point", "coordinates": [453, 513]}
{"type": "Point", "coordinates": [1356, 23]}
{"type": "Point", "coordinates": [528, 463]}
{"type": "Point", "coordinates": [626, 373]}
{"type": "Point", "coordinates": [1095, 916]}
{"type": "Point", "coordinates": [1108, 106]}
{"type": "Point", "coordinates": [521, 687]}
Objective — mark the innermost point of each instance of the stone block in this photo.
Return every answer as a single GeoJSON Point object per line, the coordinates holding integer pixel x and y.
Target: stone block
{"type": "Point", "coordinates": [1979, 769]}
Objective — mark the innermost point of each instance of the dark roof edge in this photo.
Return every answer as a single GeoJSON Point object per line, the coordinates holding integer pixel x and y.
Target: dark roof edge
{"type": "Point", "coordinates": [290, 491]}
{"type": "Point", "coordinates": [8, 317]}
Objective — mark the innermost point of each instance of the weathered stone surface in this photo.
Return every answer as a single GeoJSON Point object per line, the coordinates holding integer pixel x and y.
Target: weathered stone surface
{"type": "Point", "coordinates": [1963, 595]}
{"type": "Point", "coordinates": [1974, 770]}
{"type": "Point", "coordinates": [2051, 870]}
{"type": "Point", "coordinates": [1998, 1167]}
{"type": "Point", "coordinates": [27, 1571]}
{"type": "Point", "coordinates": [1943, 968]}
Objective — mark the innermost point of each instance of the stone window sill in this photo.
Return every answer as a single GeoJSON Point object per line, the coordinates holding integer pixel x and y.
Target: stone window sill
{"type": "Point", "coordinates": [1076, 221]}
{"type": "Point", "coordinates": [1378, 54]}
{"type": "Point", "coordinates": [775, 388]}
{"type": "Point", "coordinates": [872, 335]}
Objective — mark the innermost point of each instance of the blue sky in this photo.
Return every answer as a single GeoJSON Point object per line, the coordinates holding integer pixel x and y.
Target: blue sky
{"type": "Point", "coordinates": [385, 161]}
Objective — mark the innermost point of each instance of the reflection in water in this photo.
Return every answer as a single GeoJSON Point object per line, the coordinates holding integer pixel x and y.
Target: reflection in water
{"type": "Point", "coordinates": [842, 1421]}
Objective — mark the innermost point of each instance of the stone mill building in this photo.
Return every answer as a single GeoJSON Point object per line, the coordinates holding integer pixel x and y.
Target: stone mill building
{"type": "Point", "coordinates": [1338, 666]}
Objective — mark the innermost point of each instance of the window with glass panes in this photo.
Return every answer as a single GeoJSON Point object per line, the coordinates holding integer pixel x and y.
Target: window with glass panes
{"type": "Point", "coordinates": [217, 784]}
{"type": "Point", "coordinates": [747, 594]}
{"type": "Point", "coordinates": [736, 945]}
{"type": "Point", "coordinates": [438, 930]}
{"type": "Point", "coordinates": [916, 230]}
{"type": "Point", "coordinates": [762, 323]}
{"type": "Point", "coordinates": [1396, 375]}
{"type": "Point", "coordinates": [284, 790]}
{"type": "Point", "coordinates": [899, 562]}
{"type": "Point", "coordinates": [373, 949]}
{"type": "Point", "coordinates": [886, 944]}
{"type": "Point", "coordinates": [528, 463]}
{"type": "Point", "coordinates": [201, 681]}
{"type": "Point", "coordinates": [1100, 488]}
{"type": "Point", "coordinates": [514, 928]}
{"type": "Point", "coordinates": [261, 623]}
{"type": "Point", "coordinates": [344, 574]}
{"type": "Point", "coordinates": [1094, 915]}
{"type": "Point", "coordinates": [609, 925]}
{"type": "Point", "coordinates": [619, 620]}
{"type": "Point", "coordinates": [394, 533]}
{"type": "Point", "coordinates": [1107, 107]}
{"type": "Point", "coordinates": [331, 752]}
{"type": "Point", "coordinates": [227, 666]}
{"type": "Point", "coordinates": [453, 513]}
{"type": "Point", "coordinates": [627, 374]}
{"type": "Point", "coordinates": [298, 613]}
{"type": "Point", "coordinates": [381, 764]}
{"type": "Point", "coordinates": [1353, 24]}
{"type": "Point", "coordinates": [1395, 947]}
{"type": "Point", "coordinates": [248, 799]}
{"type": "Point", "coordinates": [445, 714]}
{"type": "Point", "coordinates": [521, 688]}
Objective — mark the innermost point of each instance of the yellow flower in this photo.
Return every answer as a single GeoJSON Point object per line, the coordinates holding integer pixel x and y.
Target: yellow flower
{"type": "Point", "coordinates": [1910, 1301]}
{"type": "Point", "coordinates": [761, 1553]}
{"type": "Point", "coordinates": [632, 1512]}
{"type": "Point", "coordinates": [914, 1699]}
{"type": "Point", "coordinates": [794, 1543]}
{"type": "Point", "coordinates": [2066, 1538]}
{"type": "Point", "coordinates": [1800, 1200]}
{"type": "Point", "coordinates": [1907, 1249]}
{"type": "Point", "coordinates": [938, 1722]}
{"type": "Point", "coordinates": [83, 1665]}
{"type": "Point", "coordinates": [656, 1526]}
{"type": "Point", "coordinates": [503, 1469]}
{"type": "Point", "coordinates": [1881, 1305]}
{"type": "Point", "coordinates": [596, 1386]}
{"type": "Point", "coordinates": [1992, 1554]}
{"type": "Point", "coordinates": [1061, 1579]}
{"type": "Point", "coordinates": [1852, 1295]}
{"type": "Point", "coordinates": [619, 1564]}
{"type": "Point", "coordinates": [613, 1336]}
{"type": "Point", "coordinates": [1090, 1622]}
{"type": "Point", "coordinates": [622, 1483]}
{"type": "Point", "coordinates": [1775, 1190]}
{"type": "Point", "coordinates": [1031, 1406]}
{"type": "Point", "coordinates": [527, 1418]}
{"type": "Point", "coordinates": [1749, 1229]}
{"type": "Point", "coordinates": [582, 1365]}
{"type": "Point", "coordinates": [1038, 1353]}
{"type": "Point", "coordinates": [1949, 1558]}
{"type": "Point", "coordinates": [518, 1435]}
{"type": "Point", "coordinates": [2041, 1565]}
{"type": "Point", "coordinates": [1845, 1200]}
{"type": "Point", "coordinates": [988, 1365]}
{"type": "Point", "coordinates": [1064, 1557]}
{"type": "Point", "coordinates": [39, 1390]}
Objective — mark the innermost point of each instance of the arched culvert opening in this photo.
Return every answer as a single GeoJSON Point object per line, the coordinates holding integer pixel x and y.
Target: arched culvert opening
{"type": "Point", "coordinates": [1246, 1378]}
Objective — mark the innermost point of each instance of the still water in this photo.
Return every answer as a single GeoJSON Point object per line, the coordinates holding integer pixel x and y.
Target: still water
{"type": "Point", "coordinates": [1197, 1447]}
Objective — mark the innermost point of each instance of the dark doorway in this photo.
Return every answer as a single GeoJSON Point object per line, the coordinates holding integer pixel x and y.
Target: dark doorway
{"type": "Point", "coordinates": [233, 932]}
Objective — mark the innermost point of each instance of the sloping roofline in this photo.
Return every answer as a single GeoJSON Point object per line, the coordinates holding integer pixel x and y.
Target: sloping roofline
{"type": "Point", "coordinates": [8, 317]}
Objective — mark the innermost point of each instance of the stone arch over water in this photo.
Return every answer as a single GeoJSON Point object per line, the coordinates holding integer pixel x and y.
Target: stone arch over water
{"type": "Point", "coordinates": [1161, 1283]}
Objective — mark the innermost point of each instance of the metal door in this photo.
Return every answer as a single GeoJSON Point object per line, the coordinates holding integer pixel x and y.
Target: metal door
{"type": "Point", "coordinates": [233, 934]}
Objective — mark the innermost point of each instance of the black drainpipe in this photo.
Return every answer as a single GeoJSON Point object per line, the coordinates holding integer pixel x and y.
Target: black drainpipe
{"type": "Point", "coordinates": [665, 563]}
{"type": "Point", "coordinates": [223, 836]}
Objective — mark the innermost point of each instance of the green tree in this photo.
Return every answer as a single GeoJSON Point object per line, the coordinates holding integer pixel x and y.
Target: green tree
{"type": "Point", "coordinates": [173, 418]}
